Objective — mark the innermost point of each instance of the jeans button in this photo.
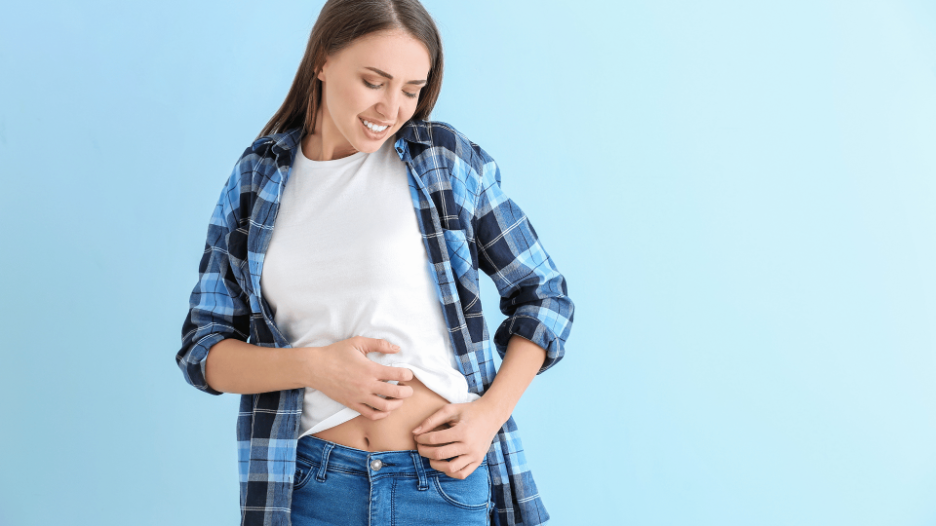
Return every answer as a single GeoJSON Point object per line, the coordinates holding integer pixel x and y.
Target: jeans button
{"type": "Point", "coordinates": [376, 464]}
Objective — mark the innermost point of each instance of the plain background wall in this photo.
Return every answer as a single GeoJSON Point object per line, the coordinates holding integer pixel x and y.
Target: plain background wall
{"type": "Point", "coordinates": [741, 195]}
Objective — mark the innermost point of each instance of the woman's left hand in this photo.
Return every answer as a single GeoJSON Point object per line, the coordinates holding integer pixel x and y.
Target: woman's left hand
{"type": "Point", "coordinates": [471, 429]}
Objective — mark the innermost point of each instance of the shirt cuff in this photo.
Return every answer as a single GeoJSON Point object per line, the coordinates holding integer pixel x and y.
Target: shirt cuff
{"type": "Point", "coordinates": [533, 329]}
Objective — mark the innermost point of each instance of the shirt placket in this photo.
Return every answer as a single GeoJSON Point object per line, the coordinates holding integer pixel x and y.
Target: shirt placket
{"type": "Point", "coordinates": [447, 275]}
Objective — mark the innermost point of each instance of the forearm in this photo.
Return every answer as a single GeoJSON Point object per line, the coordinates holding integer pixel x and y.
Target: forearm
{"type": "Point", "coordinates": [521, 362]}
{"type": "Point", "coordinates": [234, 366]}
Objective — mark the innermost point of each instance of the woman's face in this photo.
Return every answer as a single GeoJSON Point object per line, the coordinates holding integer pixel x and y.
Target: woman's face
{"type": "Point", "coordinates": [378, 79]}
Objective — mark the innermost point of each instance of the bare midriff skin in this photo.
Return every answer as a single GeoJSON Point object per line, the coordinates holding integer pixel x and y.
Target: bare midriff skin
{"type": "Point", "coordinates": [393, 432]}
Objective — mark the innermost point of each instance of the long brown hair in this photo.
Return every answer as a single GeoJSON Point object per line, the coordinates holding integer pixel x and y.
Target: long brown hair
{"type": "Point", "coordinates": [339, 24]}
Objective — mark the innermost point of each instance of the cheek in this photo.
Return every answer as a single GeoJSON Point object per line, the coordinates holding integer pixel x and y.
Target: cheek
{"type": "Point", "coordinates": [359, 100]}
{"type": "Point", "coordinates": [358, 95]}
{"type": "Point", "coordinates": [407, 110]}
{"type": "Point", "coordinates": [347, 98]}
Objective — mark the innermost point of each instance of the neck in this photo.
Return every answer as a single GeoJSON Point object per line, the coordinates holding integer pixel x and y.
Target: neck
{"type": "Point", "coordinates": [326, 143]}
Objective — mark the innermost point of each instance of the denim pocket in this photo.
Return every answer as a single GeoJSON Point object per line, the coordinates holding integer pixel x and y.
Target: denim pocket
{"type": "Point", "coordinates": [473, 492]}
{"type": "Point", "coordinates": [304, 469]}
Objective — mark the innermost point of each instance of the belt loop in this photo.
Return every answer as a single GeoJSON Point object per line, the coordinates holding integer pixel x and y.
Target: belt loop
{"type": "Point", "coordinates": [420, 471]}
{"type": "Point", "coordinates": [320, 475]}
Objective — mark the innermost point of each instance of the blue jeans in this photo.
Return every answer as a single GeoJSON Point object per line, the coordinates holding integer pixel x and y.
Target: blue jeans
{"type": "Point", "coordinates": [340, 485]}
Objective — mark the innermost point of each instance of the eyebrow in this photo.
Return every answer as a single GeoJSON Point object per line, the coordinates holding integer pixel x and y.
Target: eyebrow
{"type": "Point", "coordinates": [389, 76]}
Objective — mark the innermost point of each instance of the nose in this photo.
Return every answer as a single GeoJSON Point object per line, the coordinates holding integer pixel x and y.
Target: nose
{"type": "Point", "coordinates": [389, 106]}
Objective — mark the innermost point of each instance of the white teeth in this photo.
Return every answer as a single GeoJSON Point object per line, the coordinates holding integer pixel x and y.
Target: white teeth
{"type": "Point", "coordinates": [373, 126]}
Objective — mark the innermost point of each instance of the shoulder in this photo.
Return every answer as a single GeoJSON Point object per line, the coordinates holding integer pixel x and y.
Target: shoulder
{"type": "Point", "coordinates": [284, 139]}
{"type": "Point", "coordinates": [259, 159]}
{"type": "Point", "coordinates": [250, 174]}
{"type": "Point", "coordinates": [468, 159]}
{"type": "Point", "coordinates": [264, 149]}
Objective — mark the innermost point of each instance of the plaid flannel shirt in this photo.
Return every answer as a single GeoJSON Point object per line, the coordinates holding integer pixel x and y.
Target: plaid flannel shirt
{"type": "Point", "coordinates": [468, 223]}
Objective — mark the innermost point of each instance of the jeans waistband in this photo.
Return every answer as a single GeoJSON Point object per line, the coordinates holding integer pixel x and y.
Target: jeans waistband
{"type": "Point", "coordinates": [330, 455]}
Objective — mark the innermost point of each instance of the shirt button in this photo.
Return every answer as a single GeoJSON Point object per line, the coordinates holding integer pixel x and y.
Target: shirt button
{"type": "Point", "coordinates": [399, 150]}
{"type": "Point", "coordinates": [376, 464]}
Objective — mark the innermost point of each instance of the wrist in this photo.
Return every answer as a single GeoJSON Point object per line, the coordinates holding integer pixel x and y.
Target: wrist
{"type": "Point", "coordinates": [498, 408]}
{"type": "Point", "coordinates": [309, 365]}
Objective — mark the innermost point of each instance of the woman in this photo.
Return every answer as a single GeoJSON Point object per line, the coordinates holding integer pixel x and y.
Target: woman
{"type": "Point", "coordinates": [398, 407]}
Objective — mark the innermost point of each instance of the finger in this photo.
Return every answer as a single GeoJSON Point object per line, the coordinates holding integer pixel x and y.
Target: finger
{"type": "Point", "coordinates": [447, 451]}
{"type": "Point", "coordinates": [381, 345]}
{"type": "Point", "coordinates": [369, 412]}
{"type": "Point", "coordinates": [439, 436]}
{"type": "Point", "coordinates": [443, 465]}
{"type": "Point", "coordinates": [383, 404]}
{"type": "Point", "coordinates": [435, 419]}
{"type": "Point", "coordinates": [387, 372]}
{"type": "Point", "coordinates": [392, 391]}
{"type": "Point", "coordinates": [462, 472]}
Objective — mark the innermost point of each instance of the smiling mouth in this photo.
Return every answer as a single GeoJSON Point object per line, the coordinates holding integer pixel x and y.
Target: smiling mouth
{"type": "Point", "coordinates": [371, 132]}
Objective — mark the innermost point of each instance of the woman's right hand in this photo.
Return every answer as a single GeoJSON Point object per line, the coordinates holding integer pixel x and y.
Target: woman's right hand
{"type": "Point", "coordinates": [346, 375]}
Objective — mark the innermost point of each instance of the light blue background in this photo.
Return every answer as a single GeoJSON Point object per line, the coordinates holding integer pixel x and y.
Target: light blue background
{"type": "Point", "coordinates": [741, 195]}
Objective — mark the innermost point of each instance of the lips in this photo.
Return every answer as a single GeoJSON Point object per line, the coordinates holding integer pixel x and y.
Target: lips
{"type": "Point", "coordinates": [374, 121]}
{"type": "Point", "coordinates": [371, 133]}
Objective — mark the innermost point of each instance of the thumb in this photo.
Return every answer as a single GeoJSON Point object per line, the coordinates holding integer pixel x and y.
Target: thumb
{"type": "Point", "coordinates": [435, 419]}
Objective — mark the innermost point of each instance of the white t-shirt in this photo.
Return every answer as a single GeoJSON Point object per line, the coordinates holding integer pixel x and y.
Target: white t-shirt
{"type": "Point", "coordinates": [347, 259]}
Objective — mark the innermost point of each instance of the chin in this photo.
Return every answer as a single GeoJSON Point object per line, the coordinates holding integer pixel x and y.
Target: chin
{"type": "Point", "coordinates": [369, 149]}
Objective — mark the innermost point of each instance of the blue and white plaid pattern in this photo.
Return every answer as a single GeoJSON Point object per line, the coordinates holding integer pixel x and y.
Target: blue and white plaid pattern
{"type": "Point", "coordinates": [468, 223]}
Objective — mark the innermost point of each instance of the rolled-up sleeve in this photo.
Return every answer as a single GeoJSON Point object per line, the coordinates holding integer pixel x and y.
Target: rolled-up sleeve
{"type": "Point", "coordinates": [218, 307]}
{"type": "Point", "coordinates": [534, 295]}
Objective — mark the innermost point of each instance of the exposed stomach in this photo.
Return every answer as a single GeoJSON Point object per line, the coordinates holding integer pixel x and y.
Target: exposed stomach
{"type": "Point", "coordinates": [393, 432]}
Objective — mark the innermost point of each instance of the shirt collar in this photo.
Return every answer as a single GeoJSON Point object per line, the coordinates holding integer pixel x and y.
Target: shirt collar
{"type": "Point", "coordinates": [415, 130]}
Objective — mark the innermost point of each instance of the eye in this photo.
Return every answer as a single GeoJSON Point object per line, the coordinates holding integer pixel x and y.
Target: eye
{"type": "Point", "coordinates": [377, 86]}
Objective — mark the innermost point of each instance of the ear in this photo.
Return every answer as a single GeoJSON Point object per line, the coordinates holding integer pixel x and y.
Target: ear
{"type": "Point", "coordinates": [320, 74]}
